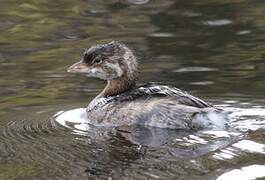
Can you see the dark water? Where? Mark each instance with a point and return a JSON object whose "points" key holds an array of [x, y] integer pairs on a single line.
{"points": [[213, 49]]}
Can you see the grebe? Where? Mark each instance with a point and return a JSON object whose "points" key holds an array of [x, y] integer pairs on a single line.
{"points": [[122, 102]]}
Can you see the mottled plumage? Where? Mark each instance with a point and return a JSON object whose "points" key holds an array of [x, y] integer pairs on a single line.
{"points": [[122, 102]]}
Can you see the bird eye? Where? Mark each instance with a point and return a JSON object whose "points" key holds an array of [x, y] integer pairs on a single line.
{"points": [[97, 61]]}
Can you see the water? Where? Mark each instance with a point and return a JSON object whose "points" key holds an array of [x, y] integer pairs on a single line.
{"points": [[213, 49]]}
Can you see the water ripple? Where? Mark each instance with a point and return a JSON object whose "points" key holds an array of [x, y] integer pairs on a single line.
{"points": [[35, 142], [218, 22]]}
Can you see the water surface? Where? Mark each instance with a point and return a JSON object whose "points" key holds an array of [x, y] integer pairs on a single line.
{"points": [[213, 49]]}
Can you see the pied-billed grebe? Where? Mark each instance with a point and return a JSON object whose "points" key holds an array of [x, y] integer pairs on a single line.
{"points": [[122, 102]]}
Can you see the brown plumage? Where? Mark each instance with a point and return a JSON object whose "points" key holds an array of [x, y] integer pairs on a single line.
{"points": [[122, 102]]}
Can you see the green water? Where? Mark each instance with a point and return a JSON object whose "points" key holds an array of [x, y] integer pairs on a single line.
{"points": [[213, 49]]}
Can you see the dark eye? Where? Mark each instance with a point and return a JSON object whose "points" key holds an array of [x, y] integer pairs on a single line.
{"points": [[97, 61]]}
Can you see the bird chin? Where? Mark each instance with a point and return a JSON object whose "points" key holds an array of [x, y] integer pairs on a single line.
{"points": [[98, 76], [97, 73], [90, 72], [84, 70]]}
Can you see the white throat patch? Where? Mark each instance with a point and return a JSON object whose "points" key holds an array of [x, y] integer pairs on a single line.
{"points": [[97, 72]]}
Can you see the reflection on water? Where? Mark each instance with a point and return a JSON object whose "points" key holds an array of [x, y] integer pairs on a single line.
{"points": [[214, 49], [245, 173]]}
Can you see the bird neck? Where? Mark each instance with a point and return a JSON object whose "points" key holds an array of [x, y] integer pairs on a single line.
{"points": [[117, 86]]}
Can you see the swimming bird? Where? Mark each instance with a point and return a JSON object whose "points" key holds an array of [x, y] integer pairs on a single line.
{"points": [[123, 102]]}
